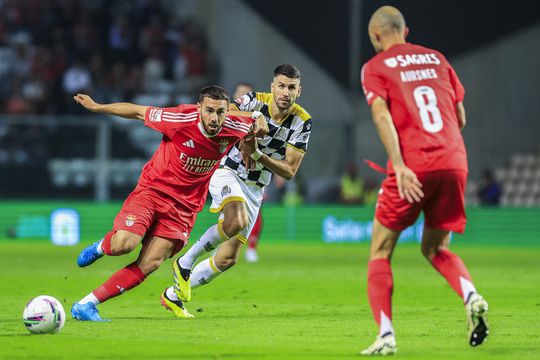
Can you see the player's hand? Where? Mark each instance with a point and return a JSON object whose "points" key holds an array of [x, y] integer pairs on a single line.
{"points": [[260, 127], [247, 146], [86, 101], [409, 186]]}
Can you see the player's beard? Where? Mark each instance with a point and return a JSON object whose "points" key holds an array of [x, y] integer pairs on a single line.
{"points": [[212, 130], [287, 106]]}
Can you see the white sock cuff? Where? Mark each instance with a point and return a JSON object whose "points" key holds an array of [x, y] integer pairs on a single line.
{"points": [[212, 264], [221, 232], [89, 298], [99, 248], [386, 325], [171, 294]]}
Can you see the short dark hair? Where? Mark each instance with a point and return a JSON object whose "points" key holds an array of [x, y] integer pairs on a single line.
{"points": [[213, 92], [287, 70]]}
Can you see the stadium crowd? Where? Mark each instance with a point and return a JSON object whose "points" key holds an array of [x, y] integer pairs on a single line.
{"points": [[50, 50]]}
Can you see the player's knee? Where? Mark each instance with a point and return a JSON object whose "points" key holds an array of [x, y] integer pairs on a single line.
{"points": [[123, 243], [225, 263], [235, 224]]}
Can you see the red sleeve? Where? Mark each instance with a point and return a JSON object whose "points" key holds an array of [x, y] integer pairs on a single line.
{"points": [[373, 84], [459, 90], [168, 120], [239, 125]]}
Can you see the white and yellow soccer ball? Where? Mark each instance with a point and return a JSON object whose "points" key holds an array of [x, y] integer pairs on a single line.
{"points": [[44, 315]]}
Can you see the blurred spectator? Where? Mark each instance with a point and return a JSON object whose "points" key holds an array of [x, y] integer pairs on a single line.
{"points": [[241, 89], [371, 192], [294, 191], [489, 191], [114, 49], [351, 186], [51, 49], [77, 79]]}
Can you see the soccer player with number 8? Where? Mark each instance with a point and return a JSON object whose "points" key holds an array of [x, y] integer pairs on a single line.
{"points": [[416, 101]]}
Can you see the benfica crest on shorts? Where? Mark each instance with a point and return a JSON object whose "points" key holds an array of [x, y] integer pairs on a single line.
{"points": [[223, 144], [130, 219]]}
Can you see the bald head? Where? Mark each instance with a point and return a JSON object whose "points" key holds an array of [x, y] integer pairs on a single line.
{"points": [[387, 19], [387, 23]]}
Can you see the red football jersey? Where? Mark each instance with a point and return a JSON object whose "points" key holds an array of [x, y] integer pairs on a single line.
{"points": [[187, 156], [421, 90]]}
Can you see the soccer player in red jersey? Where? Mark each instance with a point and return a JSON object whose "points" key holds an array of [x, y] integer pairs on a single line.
{"points": [[171, 190], [416, 101]]}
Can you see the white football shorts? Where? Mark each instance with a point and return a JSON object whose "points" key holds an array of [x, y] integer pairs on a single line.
{"points": [[226, 186]]}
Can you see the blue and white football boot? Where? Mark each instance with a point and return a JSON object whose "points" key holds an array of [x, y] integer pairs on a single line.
{"points": [[86, 312], [90, 254]]}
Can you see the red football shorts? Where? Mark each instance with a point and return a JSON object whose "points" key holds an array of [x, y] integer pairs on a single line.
{"points": [[443, 203], [149, 212]]}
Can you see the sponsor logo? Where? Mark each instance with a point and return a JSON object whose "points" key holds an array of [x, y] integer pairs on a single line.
{"points": [[391, 62], [208, 247], [120, 288], [197, 165], [281, 134], [130, 220], [189, 144], [155, 115], [226, 190], [412, 59], [223, 144]]}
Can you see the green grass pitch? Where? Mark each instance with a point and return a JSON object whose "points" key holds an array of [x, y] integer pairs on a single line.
{"points": [[301, 301]]}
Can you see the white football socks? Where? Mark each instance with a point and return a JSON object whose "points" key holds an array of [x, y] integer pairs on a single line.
{"points": [[89, 298], [386, 325], [99, 248], [171, 295], [467, 288], [204, 272], [209, 241]]}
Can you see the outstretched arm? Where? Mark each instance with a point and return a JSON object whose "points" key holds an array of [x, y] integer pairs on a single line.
{"points": [[408, 185], [125, 110], [260, 125]]}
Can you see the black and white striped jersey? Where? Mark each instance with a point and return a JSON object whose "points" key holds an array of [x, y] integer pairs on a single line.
{"points": [[293, 131]]}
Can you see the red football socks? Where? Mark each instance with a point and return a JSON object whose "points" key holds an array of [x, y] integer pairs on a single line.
{"points": [[106, 243], [123, 280], [380, 287], [453, 269]]}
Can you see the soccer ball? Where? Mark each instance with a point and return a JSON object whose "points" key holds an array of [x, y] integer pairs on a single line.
{"points": [[44, 315]]}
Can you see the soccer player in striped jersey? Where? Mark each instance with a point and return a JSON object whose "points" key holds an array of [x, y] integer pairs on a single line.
{"points": [[240, 90], [237, 187], [161, 210]]}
